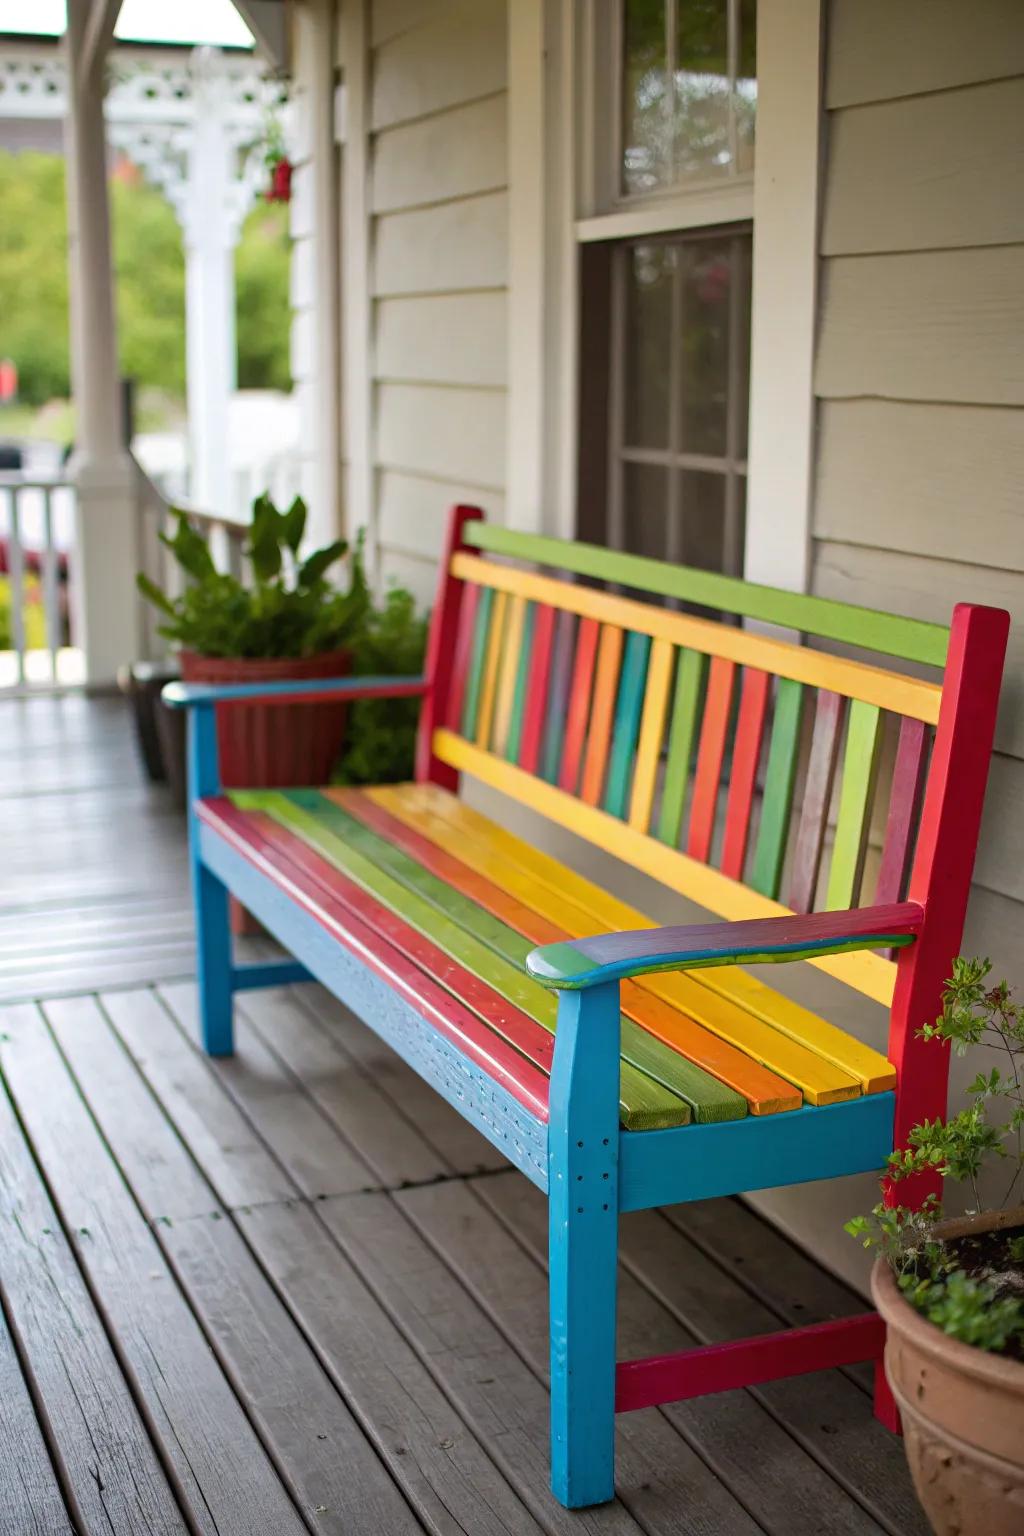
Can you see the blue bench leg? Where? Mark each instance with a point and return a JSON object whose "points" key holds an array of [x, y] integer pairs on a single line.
{"points": [[209, 895], [213, 946], [583, 1245]]}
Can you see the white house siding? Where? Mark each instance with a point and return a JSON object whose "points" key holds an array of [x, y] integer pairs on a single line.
{"points": [[919, 378], [437, 177]]}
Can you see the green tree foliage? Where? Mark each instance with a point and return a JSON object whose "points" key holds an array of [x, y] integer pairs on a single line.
{"points": [[150, 268], [264, 318]]}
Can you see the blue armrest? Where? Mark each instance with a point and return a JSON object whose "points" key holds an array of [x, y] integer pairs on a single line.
{"points": [[578, 963], [190, 695]]}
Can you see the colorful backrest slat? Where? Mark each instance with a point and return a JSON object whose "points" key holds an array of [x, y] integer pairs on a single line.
{"points": [[632, 685], [744, 752], [558, 702], [746, 756], [602, 713], [830, 712], [717, 708], [682, 732], [652, 731]]}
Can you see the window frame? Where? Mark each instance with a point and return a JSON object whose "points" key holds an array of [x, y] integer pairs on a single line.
{"points": [[606, 211], [561, 77], [731, 465]]}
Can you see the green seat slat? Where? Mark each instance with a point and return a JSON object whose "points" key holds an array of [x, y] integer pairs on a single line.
{"points": [[644, 1103], [709, 1099]]}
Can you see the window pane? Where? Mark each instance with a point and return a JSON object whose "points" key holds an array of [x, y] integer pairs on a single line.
{"points": [[701, 515], [649, 274], [645, 129], [645, 509], [742, 258], [704, 346], [689, 91], [701, 90]]}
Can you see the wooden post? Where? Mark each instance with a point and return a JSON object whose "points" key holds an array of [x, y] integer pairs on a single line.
{"points": [[444, 629], [104, 609]]}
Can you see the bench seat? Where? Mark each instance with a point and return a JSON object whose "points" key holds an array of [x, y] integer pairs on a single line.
{"points": [[465, 902], [313, 882]]}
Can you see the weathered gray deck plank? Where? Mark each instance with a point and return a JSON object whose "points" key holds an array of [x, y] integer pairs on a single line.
{"points": [[220, 1468], [30, 1497], [745, 1447], [386, 1141], [789, 1283], [824, 1411], [111, 1477], [661, 1483], [316, 1444], [364, 1354], [436, 1457], [460, 1144], [236, 1161], [306, 1144]]}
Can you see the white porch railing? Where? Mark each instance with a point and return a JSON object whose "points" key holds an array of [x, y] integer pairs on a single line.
{"points": [[37, 534], [36, 538]]}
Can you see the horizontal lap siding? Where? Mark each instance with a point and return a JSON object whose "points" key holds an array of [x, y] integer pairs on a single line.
{"points": [[439, 271], [919, 448]]}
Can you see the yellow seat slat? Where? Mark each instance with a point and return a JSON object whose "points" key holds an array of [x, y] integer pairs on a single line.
{"points": [[825, 1063], [866, 972]]}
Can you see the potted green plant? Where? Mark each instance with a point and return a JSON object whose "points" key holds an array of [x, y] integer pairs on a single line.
{"points": [[952, 1291], [290, 621], [380, 743]]}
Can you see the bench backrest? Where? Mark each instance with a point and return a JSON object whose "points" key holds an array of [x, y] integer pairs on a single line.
{"points": [[738, 768]]}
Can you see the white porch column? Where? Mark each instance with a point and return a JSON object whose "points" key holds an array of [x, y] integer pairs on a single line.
{"points": [[104, 607], [210, 223]]}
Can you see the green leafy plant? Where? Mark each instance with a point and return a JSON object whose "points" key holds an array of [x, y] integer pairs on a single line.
{"points": [[381, 737], [290, 609], [931, 1272]]}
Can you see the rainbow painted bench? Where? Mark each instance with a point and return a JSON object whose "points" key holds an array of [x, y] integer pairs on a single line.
{"points": [[617, 1064]]}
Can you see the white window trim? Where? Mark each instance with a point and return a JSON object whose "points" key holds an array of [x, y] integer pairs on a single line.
{"points": [[790, 35], [783, 202]]}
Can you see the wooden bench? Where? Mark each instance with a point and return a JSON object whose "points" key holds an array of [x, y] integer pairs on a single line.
{"points": [[677, 744]]}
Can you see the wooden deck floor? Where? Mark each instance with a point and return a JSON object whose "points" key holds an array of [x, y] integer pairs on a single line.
{"points": [[294, 1292]]}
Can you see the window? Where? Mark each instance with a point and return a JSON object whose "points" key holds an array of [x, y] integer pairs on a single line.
{"points": [[665, 282], [688, 92], [679, 381]]}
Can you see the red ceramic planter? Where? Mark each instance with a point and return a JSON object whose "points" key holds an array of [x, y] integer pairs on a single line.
{"points": [[273, 746]]}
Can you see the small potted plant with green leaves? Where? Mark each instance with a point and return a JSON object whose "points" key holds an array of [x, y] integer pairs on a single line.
{"points": [[951, 1291], [288, 622]]}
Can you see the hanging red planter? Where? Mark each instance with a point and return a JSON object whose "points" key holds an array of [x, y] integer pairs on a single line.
{"points": [[280, 189]]}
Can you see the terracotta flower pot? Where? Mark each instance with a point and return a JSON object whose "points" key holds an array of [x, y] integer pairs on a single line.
{"points": [[273, 746], [962, 1410]]}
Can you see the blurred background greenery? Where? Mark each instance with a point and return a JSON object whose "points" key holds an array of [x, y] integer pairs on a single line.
{"points": [[150, 267]]}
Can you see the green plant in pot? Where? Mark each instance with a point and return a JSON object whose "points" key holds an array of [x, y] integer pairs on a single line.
{"points": [[289, 621], [952, 1290]]}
